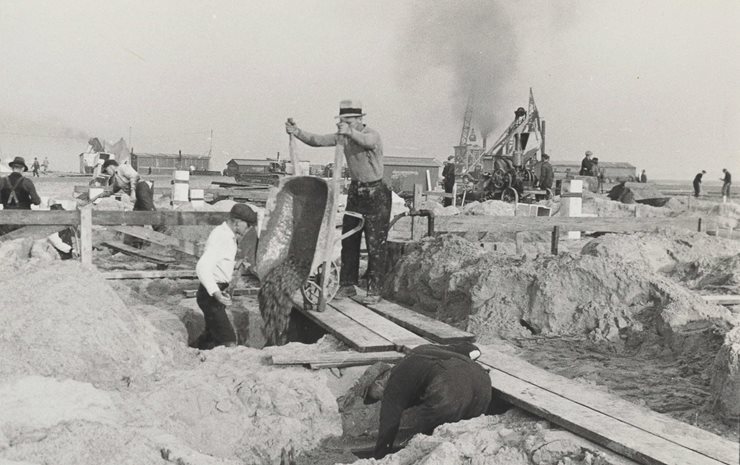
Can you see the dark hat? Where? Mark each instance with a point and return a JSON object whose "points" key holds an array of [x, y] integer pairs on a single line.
{"points": [[107, 163], [20, 161], [350, 108], [451, 157], [545, 156], [242, 212]]}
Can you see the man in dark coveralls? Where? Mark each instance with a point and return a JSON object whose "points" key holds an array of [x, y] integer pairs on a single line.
{"points": [[444, 381]]}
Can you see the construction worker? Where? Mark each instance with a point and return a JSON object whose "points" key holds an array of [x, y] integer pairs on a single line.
{"points": [[448, 174], [215, 269], [445, 383], [726, 183], [586, 164], [45, 165], [643, 177], [546, 174], [697, 183], [368, 195], [35, 166], [17, 192], [125, 178]]}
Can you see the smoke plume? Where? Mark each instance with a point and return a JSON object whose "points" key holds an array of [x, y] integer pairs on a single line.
{"points": [[476, 41]]}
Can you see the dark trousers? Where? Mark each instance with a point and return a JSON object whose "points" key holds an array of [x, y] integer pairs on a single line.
{"points": [[726, 189], [447, 201], [697, 188], [218, 327], [144, 197], [373, 201]]}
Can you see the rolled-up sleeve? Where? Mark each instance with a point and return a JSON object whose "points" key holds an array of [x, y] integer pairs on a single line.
{"points": [[316, 140]]}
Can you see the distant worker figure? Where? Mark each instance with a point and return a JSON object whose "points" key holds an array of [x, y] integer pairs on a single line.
{"points": [[586, 164], [16, 191], [546, 175], [697, 183], [368, 195], [726, 183], [125, 178], [448, 175], [35, 167], [596, 171], [443, 381], [215, 269], [643, 177], [45, 165]]}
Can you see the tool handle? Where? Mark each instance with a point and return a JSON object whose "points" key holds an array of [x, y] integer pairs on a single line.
{"points": [[292, 151]]}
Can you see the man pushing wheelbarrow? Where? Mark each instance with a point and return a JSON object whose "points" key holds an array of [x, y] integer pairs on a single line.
{"points": [[368, 196]]}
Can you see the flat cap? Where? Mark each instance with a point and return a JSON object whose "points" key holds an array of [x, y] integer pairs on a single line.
{"points": [[243, 212]]}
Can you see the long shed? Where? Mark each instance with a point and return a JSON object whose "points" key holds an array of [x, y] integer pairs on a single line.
{"points": [[614, 170], [166, 163]]}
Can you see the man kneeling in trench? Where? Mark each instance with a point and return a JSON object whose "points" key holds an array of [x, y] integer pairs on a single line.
{"points": [[444, 381]]}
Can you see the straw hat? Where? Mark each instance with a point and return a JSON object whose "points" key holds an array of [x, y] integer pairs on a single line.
{"points": [[350, 108]]}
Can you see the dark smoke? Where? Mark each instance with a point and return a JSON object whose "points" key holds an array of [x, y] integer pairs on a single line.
{"points": [[476, 40]]}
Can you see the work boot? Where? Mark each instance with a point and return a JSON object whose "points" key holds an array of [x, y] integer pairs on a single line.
{"points": [[346, 291], [370, 299]]}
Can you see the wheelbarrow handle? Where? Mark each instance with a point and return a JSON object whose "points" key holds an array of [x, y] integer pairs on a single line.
{"points": [[356, 228]]}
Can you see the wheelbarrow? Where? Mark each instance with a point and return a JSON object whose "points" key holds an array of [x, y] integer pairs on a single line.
{"points": [[296, 226]]}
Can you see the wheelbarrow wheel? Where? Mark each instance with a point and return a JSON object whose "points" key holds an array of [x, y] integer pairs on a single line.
{"points": [[311, 289]]}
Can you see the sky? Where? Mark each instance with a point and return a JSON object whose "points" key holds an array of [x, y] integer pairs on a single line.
{"points": [[653, 83]]}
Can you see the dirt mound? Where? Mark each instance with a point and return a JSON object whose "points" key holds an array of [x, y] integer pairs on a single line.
{"points": [[726, 378], [514, 438], [62, 319], [715, 274], [490, 208], [660, 251], [237, 407]]}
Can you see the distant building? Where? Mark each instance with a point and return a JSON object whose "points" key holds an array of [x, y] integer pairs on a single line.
{"points": [[613, 170], [401, 173], [165, 163]]}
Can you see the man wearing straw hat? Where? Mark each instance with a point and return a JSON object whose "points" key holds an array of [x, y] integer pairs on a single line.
{"points": [[368, 195]]}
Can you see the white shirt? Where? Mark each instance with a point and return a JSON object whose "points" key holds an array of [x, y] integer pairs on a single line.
{"points": [[216, 265]]}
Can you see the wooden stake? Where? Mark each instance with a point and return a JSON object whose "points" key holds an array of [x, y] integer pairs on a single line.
{"points": [[519, 240], [416, 205], [555, 240], [86, 235], [698, 228], [336, 184]]}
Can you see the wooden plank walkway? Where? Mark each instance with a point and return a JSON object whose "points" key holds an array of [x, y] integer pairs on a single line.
{"points": [[722, 299], [403, 339], [348, 330], [133, 251], [423, 325], [338, 359], [638, 433], [150, 274]]}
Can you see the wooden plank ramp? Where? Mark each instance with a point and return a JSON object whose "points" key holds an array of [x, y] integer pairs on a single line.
{"points": [[133, 251], [149, 274], [338, 359], [423, 325], [190, 293], [403, 339], [187, 247], [638, 433], [348, 330]]}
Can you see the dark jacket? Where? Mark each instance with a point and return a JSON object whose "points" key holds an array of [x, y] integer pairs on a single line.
{"points": [[546, 175], [449, 385], [586, 167], [697, 178], [18, 192], [448, 173]]}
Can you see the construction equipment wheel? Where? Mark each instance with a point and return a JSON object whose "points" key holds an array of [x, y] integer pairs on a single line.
{"points": [[510, 195], [499, 178], [311, 289]]}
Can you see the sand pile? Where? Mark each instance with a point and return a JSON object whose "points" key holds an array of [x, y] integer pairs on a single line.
{"points": [[714, 274], [514, 438], [660, 251], [726, 378], [489, 293], [64, 320], [490, 208]]}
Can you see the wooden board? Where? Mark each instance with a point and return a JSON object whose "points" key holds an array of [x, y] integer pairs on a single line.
{"points": [[423, 325], [39, 217], [349, 331], [150, 274], [31, 232], [511, 224], [162, 217], [722, 299], [402, 338], [625, 439], [133, 251], [187, 247], [190, 293], [338, 359], [644, 423]]}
